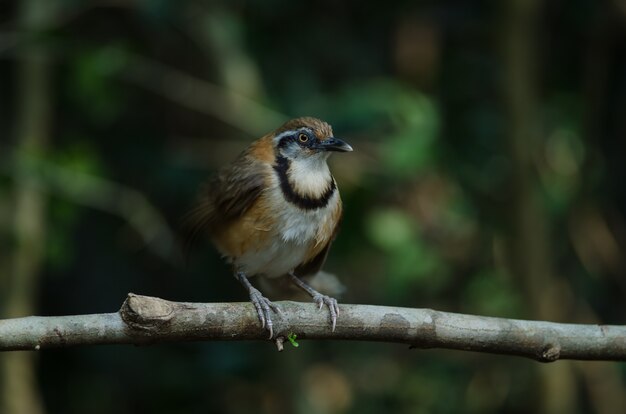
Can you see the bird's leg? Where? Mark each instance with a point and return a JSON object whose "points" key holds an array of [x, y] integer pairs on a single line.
{"points": [[318, 298], [260, 302]]}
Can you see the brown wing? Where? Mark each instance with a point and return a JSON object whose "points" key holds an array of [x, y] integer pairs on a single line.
{"points": [[228, 195]]}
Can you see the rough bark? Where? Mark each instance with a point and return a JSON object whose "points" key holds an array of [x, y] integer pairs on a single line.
{"points": [[147, 320]]}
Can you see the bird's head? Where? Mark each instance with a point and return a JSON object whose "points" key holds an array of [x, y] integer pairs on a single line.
{"points": [[307, 139]]}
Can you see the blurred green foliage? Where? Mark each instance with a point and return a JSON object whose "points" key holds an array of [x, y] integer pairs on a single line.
{"points": [[150, 97]]}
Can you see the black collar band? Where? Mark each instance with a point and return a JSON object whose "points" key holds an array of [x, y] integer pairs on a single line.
{"points": [[304, 202]]}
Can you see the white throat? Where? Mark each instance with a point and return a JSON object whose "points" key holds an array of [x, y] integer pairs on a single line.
{"points": [[310, 175]]}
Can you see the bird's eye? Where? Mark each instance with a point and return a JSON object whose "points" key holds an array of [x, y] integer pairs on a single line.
{"points": [[303, 137]]}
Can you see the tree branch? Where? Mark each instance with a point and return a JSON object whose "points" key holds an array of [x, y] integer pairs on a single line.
{"points": [[147, 320]]}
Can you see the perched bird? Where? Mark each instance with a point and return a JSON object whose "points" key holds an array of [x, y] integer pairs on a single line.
{"points": [[275, 210]]}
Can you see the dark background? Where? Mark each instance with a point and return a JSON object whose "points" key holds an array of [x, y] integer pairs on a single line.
{"points": [[487, 178]]}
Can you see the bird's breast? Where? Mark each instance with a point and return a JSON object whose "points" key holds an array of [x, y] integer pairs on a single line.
{"points": [[297, 223], [277, 235]]}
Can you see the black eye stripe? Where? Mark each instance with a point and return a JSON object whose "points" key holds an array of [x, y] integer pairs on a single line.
{"points": [[284, 141], [309, 137]]}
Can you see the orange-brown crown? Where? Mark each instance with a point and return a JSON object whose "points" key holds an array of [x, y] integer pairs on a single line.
{"points": [[320, 128]]}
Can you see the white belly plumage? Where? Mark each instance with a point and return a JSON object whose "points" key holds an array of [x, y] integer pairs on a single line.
{"points": [[290, 241], [277, 259]]}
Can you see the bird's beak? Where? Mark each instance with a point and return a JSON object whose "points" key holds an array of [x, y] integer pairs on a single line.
{"points": [[334, 144]]}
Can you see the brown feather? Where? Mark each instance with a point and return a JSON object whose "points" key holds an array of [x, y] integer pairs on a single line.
{"points": [[232, 191], [249, 232], [320, 128]]}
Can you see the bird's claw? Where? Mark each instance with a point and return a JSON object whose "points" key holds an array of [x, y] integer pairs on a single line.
{"points": [[263, 308], [333, 307]]}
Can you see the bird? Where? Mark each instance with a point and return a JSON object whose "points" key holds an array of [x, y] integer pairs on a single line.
{"points": [[275, 211]]}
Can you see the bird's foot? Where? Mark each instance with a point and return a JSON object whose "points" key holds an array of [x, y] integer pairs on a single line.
{"points": [[333, 307], [263, 308], [320, 299]]}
